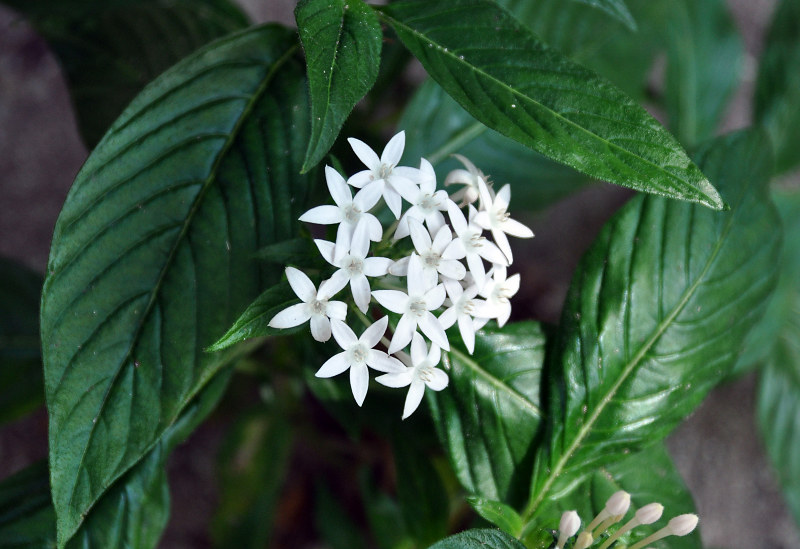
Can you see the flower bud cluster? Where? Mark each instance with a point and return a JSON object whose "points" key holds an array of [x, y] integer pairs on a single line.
{"points": [[444, 266], [614, 511]]}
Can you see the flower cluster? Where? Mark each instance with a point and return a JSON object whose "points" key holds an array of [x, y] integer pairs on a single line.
{"points": [[444, 266], [614, 511]]}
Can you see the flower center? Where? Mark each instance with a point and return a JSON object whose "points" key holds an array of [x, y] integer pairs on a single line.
{"points": [[352, 213], [319, 306], [431, 259], [501, 216], [385, 171], [417, 306], [353, 265], [428, 204], [465, 306], [358, 353], [425, 373], [501, 293]]}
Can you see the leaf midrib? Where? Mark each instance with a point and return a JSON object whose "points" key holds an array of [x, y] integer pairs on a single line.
{"points": [[157, 287], [626, 371], [716, 204]]}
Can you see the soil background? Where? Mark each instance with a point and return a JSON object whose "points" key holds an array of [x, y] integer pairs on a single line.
{"points": [[717, 449]]}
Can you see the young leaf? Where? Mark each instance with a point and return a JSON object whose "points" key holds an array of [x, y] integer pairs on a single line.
{"points": [[539, 98], [615, 8], [479, 539], [656, 315], [777, 99], [110, 50], [433, 121], [498, 513], [21, 383], [489, 415], [152, 255], [704, 56], [27, 519], [342, 40]]}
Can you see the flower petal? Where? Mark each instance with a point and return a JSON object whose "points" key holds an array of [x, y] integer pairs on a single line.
{"points": [[393, 150], [372, 335], [430, 326], [427, 177], [435, 221], [515, 228], [334, 366], [301, 284], [343, 335], [367, 197], [393, 201], [414, 397], [359, 246], [326, 249], [415, 278], [399, 267], [467, 330], [363, 178], [455, 250], [378, 360], [344, 239], [374, 227], [377, 266], [336, 282], [337, 186], [291, 316], [456, 217], [394, 300], [359, 381], [512, 284], [448, 318], [396, 379], [503, 197], [439, 380], [337, 310], [402, 334], [452, 269], [419, 351], [435, 297], [477, 268], [434, 355], [490, 252], [501, 240], [320, 328], [365, 153], [323, 215], [443, 237], [359, 285], [419, 236]]}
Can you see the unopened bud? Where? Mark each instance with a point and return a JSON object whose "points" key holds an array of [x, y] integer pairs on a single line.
{"points": [[618, 503], [570, 522], [649, 513], [682, 524]]}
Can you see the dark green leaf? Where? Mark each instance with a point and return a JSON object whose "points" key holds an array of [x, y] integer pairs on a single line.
{"points": [[109, 50], [539, 97], [704, 56], [489, 415], [152, 255], [498, 513], [254, 322], [298, 252], [253, 467], [648, 476], [777, 100], [27, 520], [436, 127], [342, 40], [21, 384], [615, 8], [656, 315], [479, 539], [422, 496], [384, 516], [334, 524]]}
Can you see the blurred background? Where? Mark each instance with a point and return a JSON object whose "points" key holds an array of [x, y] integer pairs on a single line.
{"points": [[717, 450]]}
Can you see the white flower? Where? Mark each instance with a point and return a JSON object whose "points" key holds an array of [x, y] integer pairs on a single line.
{"points": [[358, 355], [316, 306], [494, 217], [348, 211], [469, 178], [471, 244], [497, 291], [462, 311], [424, 372], [430, 253], [416, 307], [383, 172], [427, 204], [354, 266]]}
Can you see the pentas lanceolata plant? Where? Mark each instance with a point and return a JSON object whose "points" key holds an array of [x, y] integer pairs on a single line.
{"points": [[454, 275]]}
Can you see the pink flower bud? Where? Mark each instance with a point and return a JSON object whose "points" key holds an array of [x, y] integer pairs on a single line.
{"points": [[618, 503], [649, 513], [570, 522], [682, 524]]}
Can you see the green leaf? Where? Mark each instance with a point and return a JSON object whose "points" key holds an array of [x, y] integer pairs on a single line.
{"points": [[252, 470], [27, 520], [489, 416], [420, 491], [152, 255], [615, 8], [656, 315], [648, 476], [704, 57], [384, 516], [498, 513], [335, 526], [777, 98], [254, 322], [539, 97], [21, 382], [109, 50], [479, 539], [300, 252], [436, 127], [342, 40]]}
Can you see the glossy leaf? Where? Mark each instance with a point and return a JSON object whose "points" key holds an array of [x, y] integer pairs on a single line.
{"points": [[334, 524], [648, 476], [498, 513], [615, 8], [420, 492], [704, 57], [489, 415], [539, 97], [436, 127], [777, 98], [152, 255], [21, 383], [110, 50], [27, 520], [656, 315], [254, 322], [342, 39], [479, 539]]}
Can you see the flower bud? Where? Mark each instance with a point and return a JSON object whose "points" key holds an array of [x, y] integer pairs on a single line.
{"points": [[649, 513], [682, 524], [618, 503], [570, 522], [584, 540]]}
